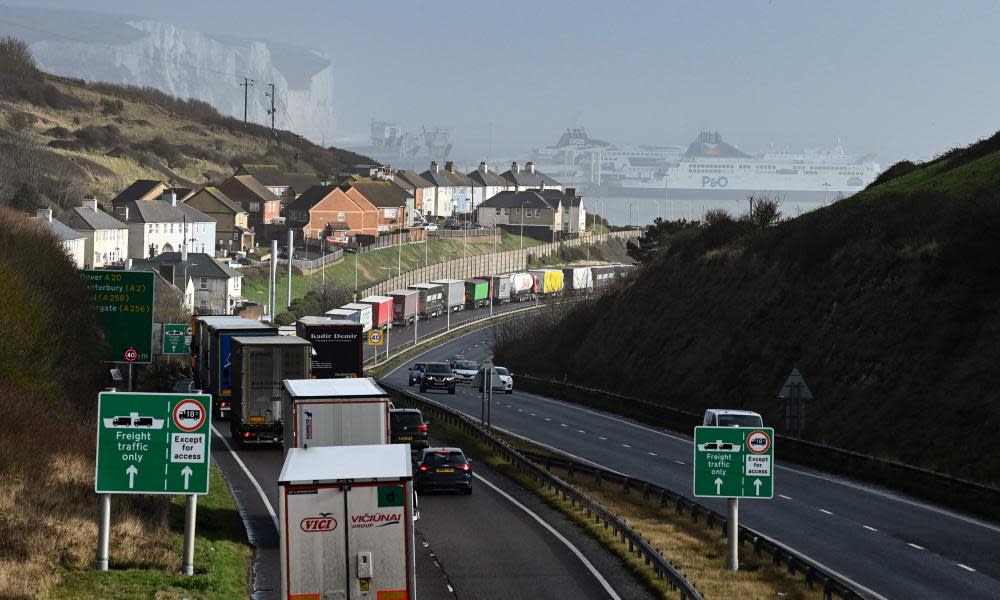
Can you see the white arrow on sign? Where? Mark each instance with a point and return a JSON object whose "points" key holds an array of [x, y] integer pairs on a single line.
{"points": [[187, 472], [756, 486], [718, 485], [131, 471]]}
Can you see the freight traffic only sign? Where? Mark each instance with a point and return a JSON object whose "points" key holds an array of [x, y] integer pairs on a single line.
{"points": [[124, 303], [153, 443], [734, 462], [176, 338]]}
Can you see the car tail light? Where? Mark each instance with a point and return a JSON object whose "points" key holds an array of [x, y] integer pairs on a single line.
{"points": [[423, 467], [223, 404], [249, 434], [421, 427], [464, 467]]}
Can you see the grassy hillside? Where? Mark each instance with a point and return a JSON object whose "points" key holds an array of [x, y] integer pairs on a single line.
{"points": [[888, 302], [63, 138]]}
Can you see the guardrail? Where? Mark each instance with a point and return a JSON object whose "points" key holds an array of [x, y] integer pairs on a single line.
{"points": [[833, 585], [637, 544], [962, 494]]}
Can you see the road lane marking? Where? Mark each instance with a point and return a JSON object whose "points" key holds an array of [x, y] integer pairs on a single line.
{"points": [[260, 490], [784, 496], [580, 431], [547, 419], [563, 424], [680, 462], [532, 414], [967, 568], [651, 453], [911, 545], [870, 528], [626, 445], [583, 559], [823, 510], [520, 410], [603, 438]]}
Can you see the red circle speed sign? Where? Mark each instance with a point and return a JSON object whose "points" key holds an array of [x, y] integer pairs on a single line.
{"points": [[189, 415], [131, 355], [759, 442]]}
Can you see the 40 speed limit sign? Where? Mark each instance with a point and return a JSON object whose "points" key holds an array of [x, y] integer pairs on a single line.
{"points": [[376, 337]]}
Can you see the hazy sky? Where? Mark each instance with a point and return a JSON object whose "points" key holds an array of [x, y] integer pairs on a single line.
{"points": [[906, 78]]}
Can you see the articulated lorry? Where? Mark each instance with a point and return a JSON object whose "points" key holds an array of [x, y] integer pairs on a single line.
{"points": [[404, 306], [364, 312], [578, 279], [522, 287], [381, 310], [211, 346], [454, 293], [346, 523], [477, 293], [548, 282], [500, 288], [335, 412], [338, 346], [430, 299], [260, 364]]}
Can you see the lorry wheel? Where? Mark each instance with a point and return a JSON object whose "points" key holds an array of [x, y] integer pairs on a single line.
{"points": [[423, 389], [468, 491], [451, 390], [509, 392], [411, 383]]}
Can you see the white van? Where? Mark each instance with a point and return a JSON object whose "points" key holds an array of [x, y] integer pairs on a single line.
{"points": [[721, 417]]}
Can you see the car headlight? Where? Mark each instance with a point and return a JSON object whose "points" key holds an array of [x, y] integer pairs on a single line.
{"points": [[449, 379]]}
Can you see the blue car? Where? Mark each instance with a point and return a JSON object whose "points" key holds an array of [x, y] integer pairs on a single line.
{"points": [[416, 372]]}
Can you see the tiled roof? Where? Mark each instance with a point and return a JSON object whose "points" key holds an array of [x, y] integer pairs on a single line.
{"points": [[64, 233], [138, 189], [554, 195], [413, 179], [87, 219], [193, 214], [199, 264], [222, 198], [529, 198], [311, 197], [268, 175], [151, 211], [300, 182], [382, 194], [245, 188], [487, 178]]}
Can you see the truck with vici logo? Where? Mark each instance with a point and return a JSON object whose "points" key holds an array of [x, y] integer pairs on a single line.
{"points": [[346, 523]]}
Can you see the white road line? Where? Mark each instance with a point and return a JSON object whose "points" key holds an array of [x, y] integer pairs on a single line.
{"points": [[823, 510], [583, 559], [532, 414], [680, 462], [784, 496], [602, 437], [580, 431], [260, 490], [870, 528], [547, 419], [651, 453], [558, 450], [911, 545], [966, 567], [520, 410], [626, 445], [563, 424]]}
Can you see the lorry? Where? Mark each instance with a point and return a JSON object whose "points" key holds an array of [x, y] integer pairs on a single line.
{"points": [[500, 288], [477, 293], [404, 306], [334, 412], [364, 313], [344, 314], [577, 279], [430, 299], [213, 373], [338, 346], [454, 293], [548, 282], [346, 523], [522, 287], [260, 364], [381, 310]]}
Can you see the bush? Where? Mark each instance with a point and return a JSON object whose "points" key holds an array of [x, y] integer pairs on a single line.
{"points": [[164, 149], [111, 107], [97, 137], [59, 133], [27, 198], [19, 121]]}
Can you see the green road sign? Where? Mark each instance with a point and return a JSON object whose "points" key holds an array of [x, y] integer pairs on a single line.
{"points": [[734, 462], [153, 443], [176, 338], [124, 301]]}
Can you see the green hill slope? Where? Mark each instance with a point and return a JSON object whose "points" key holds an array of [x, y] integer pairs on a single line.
{"points": [[888, 302]]}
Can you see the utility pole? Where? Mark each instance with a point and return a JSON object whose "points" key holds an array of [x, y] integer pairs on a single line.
{"points": [[246, 85], [272, 110]]}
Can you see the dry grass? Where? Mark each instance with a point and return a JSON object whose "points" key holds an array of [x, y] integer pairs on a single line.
{"points": [[698, 552]]}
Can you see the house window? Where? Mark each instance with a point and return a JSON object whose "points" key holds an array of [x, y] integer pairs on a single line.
{"points": [[498, 212], [203, 303], [341, 217], [204, 283], [255, 207], [538, 212]]}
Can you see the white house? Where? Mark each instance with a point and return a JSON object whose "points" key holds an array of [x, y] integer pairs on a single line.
{"points": [[532, 211], [106, 237], [210, 288], [72, 242], [486, 184], [574, 218], [441, 202], [157, 226], [529, 178], [199, 227]]}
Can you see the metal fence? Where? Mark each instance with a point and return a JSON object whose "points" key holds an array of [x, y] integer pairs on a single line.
{"points": [[479, 264], [333, 255], [457, 233], [617, 527]]}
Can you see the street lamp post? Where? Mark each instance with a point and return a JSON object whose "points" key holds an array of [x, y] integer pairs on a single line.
{"points": [[522, 227], [826, 192], [356, 257]]}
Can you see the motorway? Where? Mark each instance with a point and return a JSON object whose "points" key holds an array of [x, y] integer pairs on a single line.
{"points": [[895, 546]]}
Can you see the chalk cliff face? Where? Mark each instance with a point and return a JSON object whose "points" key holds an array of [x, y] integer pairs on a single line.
{"points": [[184, 63]]}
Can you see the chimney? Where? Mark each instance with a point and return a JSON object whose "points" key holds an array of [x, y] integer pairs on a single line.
{"points": [[483, 167], [531, 167], [44, 214], [170, 197], [434, 166], [91, 203], [449, 166], [571, 192], [514, 168]]}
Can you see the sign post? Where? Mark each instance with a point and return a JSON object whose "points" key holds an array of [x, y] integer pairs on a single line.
{"points": [[176, 338], [733, 463], [152, 444], [124, 302]]}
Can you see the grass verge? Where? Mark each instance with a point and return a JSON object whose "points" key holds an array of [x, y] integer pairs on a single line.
{"points": [[696, 551], [222, 555]]}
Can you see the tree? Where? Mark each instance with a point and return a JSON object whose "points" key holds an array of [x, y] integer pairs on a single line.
{"points": [[764, 212], [27, 198], [655, 238]]}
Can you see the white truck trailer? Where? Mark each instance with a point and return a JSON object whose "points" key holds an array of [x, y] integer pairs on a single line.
{"points": [[335, 412], [346, 523]]}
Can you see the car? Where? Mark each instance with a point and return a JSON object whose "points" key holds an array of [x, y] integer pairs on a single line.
{"points": [[450, 223], [429, 227], [455, 359], [407, 426], [465, 370], [438, 375], [443, 469], [724, 417], [475, 226], [506, 380], [416, 372]]}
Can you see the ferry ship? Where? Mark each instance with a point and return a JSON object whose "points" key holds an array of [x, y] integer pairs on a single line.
{"points": [[707, 167]]}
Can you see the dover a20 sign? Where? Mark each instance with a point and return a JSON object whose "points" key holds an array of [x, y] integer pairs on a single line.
{"points": [[153, 443], [734, 462]]}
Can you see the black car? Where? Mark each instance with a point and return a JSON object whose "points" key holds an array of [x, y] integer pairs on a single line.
{"points": [[416, 372], [443, 469], [438, 375], [407, 426]]}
